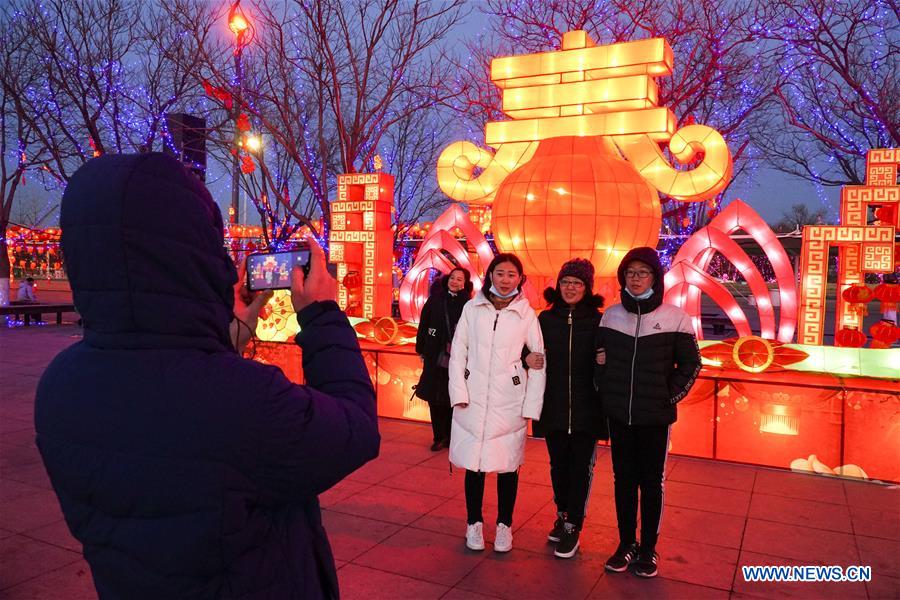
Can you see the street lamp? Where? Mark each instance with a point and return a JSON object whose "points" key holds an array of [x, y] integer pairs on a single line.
{"points": [[253, 143], [243, 33]]}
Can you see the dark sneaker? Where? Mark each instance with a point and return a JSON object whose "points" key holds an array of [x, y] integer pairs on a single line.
{"points": [[568, 542], [624, 556], [645, 565], [557, 531]]}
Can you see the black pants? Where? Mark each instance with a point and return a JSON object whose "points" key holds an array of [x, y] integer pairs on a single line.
{"points": [[441, 415], [572, 458], [507, 487], [639, 461]]}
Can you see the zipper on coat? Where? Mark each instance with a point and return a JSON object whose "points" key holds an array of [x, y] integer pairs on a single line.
{"points": [[637, 331], [570, 371], [490, 359]]}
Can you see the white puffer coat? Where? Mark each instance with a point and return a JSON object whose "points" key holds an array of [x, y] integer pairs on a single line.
{"points": [[487, 375]]}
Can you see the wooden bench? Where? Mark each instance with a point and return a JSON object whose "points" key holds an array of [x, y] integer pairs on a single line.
{"points": [[36, 310]]}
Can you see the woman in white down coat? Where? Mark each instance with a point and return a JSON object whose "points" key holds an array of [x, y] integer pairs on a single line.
{"points": [[492, 394]]}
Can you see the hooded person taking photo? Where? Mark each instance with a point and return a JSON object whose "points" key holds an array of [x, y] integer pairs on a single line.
{"points": [[184, 469]]}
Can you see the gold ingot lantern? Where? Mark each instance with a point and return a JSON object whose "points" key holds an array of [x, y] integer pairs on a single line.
{"points": [[576, 170]]}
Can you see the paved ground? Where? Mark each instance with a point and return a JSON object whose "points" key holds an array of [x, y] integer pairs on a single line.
{"points": [[397, 524]]}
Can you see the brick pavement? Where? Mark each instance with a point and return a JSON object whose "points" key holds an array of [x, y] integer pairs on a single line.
{"points": [[397, 524]]}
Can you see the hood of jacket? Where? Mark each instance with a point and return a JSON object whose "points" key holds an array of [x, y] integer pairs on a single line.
{"points": [[650, 257], [143, 246]]}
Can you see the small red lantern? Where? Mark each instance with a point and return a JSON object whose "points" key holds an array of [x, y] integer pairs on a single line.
{"points": [[884, 332], [858, 296], [888, 294], [885, 215], [850, 337], [352, 280]]}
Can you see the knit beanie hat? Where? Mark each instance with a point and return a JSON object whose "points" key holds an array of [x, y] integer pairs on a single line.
{"points": [[580, 268]]}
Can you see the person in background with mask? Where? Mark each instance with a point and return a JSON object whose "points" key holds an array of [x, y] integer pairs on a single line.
{"points": [[437, 324], [647, 362], [493, 395]]}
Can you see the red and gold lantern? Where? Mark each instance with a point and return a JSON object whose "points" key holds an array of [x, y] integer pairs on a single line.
{"points": [[858, 296], [575, 197], [888, 294], [850, 337]]}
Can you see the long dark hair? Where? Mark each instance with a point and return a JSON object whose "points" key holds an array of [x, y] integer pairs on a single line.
{"points": [[502, 258], [468, 286]]}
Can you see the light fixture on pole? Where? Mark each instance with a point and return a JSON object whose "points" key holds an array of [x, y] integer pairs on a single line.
{"points": [[240, 26]]}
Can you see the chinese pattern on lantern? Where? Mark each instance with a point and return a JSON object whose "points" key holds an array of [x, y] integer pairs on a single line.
{"points": [[559, 184], [862, 248], [361, 240]]}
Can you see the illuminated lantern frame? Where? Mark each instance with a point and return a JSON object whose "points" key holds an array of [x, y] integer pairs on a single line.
{"points": [[361, 238], [862, 248], [687, 278], [414, 289]]}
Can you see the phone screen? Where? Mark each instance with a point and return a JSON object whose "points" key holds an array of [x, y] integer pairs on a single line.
{"points": [[273, 271]]}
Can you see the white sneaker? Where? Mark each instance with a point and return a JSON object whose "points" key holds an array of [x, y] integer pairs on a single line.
{"points": [[475, 536], [503, 540]]}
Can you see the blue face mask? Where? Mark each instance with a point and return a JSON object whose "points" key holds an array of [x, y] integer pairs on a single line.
{"points": [[644, 296], [501, 296]]}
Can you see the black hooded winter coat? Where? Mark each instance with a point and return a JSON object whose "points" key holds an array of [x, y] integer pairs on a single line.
{"points": [[571, 403], [442, 310], [652, 359], [185, 470]]}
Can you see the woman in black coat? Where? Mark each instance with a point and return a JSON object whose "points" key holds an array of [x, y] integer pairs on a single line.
{"points": [[571, 419], [436, 327]]}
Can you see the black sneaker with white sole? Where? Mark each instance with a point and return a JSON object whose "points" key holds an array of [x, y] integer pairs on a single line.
{"points": [[625, 555], [568, 542], [645, 565], [557, 530]]}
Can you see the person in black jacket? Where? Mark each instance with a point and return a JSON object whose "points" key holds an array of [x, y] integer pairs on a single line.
{"points": [[571, 419], [436, 327], [185, 470], [647, 362]]}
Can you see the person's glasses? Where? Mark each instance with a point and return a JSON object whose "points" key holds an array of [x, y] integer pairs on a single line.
{"points": [[637, 274], [572, 283]]}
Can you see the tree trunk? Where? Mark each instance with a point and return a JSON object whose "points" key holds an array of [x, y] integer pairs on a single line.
{"points": [[4, 266]]}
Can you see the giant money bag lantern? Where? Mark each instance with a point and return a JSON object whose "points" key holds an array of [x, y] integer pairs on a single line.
{"points": [[577, 170]]}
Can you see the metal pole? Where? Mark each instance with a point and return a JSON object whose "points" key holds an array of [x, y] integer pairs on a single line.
{"points": [[235, 162]]}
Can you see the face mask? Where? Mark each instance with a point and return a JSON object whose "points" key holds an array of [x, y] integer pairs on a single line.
{"points": [[501, 296], [643, 296]]}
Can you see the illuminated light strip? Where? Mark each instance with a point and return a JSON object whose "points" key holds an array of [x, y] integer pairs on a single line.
{"points": [[596, 93], [652, 56], [657, 124]]}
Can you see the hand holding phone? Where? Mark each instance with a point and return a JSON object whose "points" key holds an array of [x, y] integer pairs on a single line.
{"points": [[314, 285], [272, 270], [247, 305]]}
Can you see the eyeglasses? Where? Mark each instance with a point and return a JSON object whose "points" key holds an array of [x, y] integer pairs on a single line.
{"points": [[572, 283], [637, 274]]}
